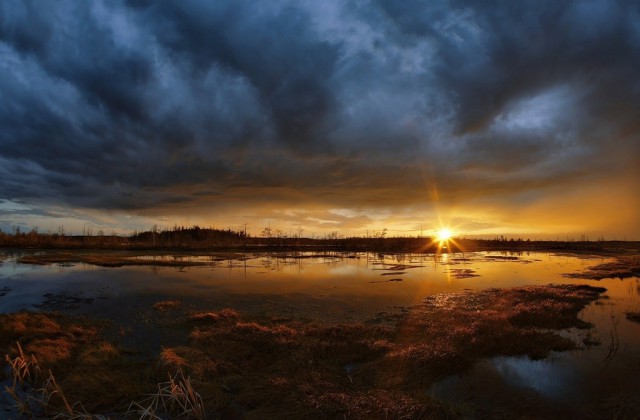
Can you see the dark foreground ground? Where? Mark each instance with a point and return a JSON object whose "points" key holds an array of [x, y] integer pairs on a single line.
{"points": [[229, 365]]}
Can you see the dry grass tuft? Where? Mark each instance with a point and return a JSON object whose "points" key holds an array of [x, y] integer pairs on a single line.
{"points": [[169, 358], [209, 316], [175, 398], [100, 353], [44, 335], [37, 403], [167, 305], [23, 369], [27, 322], [89, 368], [51, 349]]}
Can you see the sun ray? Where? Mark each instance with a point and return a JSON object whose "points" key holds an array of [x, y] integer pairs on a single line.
{"points": [[444, 234]]}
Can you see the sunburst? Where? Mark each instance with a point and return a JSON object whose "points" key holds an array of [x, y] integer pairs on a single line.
{"points": [[444, 234]]}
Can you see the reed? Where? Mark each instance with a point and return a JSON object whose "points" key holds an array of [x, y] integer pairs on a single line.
{"points": [[175, 398]]}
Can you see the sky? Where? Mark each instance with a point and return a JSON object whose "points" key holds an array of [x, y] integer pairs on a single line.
{"points": [[519, 118]]}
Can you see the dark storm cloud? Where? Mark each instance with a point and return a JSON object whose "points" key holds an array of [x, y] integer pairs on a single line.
{"points": [[273, 47], [135, 105]]}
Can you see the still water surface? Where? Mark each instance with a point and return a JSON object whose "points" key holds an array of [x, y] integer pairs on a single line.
{"points": [[351, 287]]}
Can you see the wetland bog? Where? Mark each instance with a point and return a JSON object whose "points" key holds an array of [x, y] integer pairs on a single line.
{"points": [[330, 334]]}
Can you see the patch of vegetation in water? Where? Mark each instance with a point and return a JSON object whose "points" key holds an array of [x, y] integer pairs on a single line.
{"points": [[633, 316], [104, 260], [61, 301], [463, 273], [248, 366], [622, 267]]}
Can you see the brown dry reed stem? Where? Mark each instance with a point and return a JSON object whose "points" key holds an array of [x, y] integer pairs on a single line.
{"points": [[73, 412], [23, 368], [25, 371], [176, 398], [20, 404]]}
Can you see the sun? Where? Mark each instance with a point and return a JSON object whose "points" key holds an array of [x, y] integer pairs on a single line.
{"points": [[444, 234]]}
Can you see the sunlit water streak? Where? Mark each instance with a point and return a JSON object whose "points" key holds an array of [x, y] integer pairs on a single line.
{"points": [[351, 287]]}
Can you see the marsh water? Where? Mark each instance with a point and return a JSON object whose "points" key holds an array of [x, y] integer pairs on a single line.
{"points": [[337, 287]]}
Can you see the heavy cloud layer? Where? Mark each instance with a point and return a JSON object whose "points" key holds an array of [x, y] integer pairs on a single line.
{"points": [[152, 107]]}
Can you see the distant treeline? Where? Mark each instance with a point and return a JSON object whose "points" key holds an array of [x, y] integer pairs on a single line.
{"points": [[154, 238], [198, 238]]}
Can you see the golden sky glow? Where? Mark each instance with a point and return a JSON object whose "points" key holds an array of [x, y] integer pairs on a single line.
{"points": [[319, 117]]}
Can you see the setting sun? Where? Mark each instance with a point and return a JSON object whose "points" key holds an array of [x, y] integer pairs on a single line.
{"points": [[444, 234]]}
